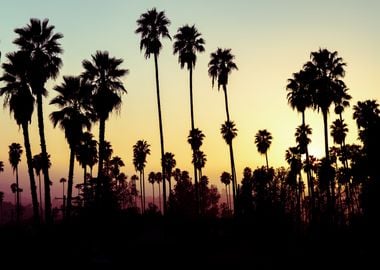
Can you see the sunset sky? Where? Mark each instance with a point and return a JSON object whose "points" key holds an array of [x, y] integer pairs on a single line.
{"points": [[270, 40]]}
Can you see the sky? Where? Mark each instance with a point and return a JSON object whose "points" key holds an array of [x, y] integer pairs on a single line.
{"points": [[270, 40]]}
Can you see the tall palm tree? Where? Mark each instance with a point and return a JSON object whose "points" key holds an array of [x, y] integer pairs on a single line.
{"points": [[87, 153], [39, 41], [75, 114], [140, 151], [219, 68], [64, 209], [169, 164], [327, 70], [302, 137], [229, 132], [159, 180], [300, 98], [105, 74], [20, 101], [37, 165], [263, 140], [153, 26], [339, 131], [15, 151], [187, 43]]}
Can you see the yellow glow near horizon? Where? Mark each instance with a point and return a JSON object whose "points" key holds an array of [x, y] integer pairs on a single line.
{"points": [[270, 40]]}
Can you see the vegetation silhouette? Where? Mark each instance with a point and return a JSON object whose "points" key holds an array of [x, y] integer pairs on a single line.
{"points": [[272, 219]]}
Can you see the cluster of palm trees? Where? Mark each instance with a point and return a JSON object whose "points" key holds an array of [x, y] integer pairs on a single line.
{"points": [[91, 97]]}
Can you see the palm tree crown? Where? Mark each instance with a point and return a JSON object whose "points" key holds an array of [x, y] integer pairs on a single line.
{"points": [[187, 43], [152, 26], [263, 140], [42, 44], [339, 131], [220, 66], [15, 151], [229, 131], [302, 137]]}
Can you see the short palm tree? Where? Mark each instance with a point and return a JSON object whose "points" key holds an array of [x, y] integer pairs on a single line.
{"points": [[153, 26], [87, 154], [229, 132], [199, 161], [140, 152], [225, 178], [339, 131], [39, 41], [105, 74], [20, 101], [152, 180], [15, 151], [38, 163], [187, 43], [75, 114], [169, 163], [302, 137], [263, 140]]}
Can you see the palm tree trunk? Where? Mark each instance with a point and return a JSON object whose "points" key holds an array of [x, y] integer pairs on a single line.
{"points": [[329, 195], [159, 196], [228, 202], [266, 159], [70, 182], [100, 180], [153, 192], [192, 128], [161, 131], [143, 185], [33, 188], [17, 198], [40, 190], [233, 176], [45, 169], [141, 195], [226, 102]]}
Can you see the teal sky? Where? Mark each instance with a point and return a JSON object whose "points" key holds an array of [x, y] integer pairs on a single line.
{"points": [[270, 39]]}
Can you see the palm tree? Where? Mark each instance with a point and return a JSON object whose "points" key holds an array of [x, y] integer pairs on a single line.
{"points": [[140, 151], [229, 132], [15, 151], [326, 69], [37, 165], [300, 98], [105, 74], [219, 67], [302, 137], [169, 163], [187, 43], [152, 26], [263, 140], [339, 131], [159, 180], [225, 178], [39, 41], [152, 180], [75, 113], [87, 154], [20, 101], [199, 161]]}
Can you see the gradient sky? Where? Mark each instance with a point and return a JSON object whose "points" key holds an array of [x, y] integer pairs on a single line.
{"points": [[270, 39]]}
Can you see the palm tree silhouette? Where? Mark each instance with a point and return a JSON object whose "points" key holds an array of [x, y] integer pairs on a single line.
{"points": [[302, 137], [263, 140], [75, 114], [37, 165], [300, 98], [15, 151], [64, 209], [87, 154], [20, 101], [199, 161], [326, 69], [339, 131], [169, 164], [39, 41], [1, 194], [105, 74], [159, 180], [152, 180], [152, 26], [225, 178], [187, 43], [140, 151], [229, 132], [219, 67]]}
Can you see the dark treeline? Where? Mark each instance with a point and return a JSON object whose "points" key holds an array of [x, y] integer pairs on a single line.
{"points": [[313, 210]]}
